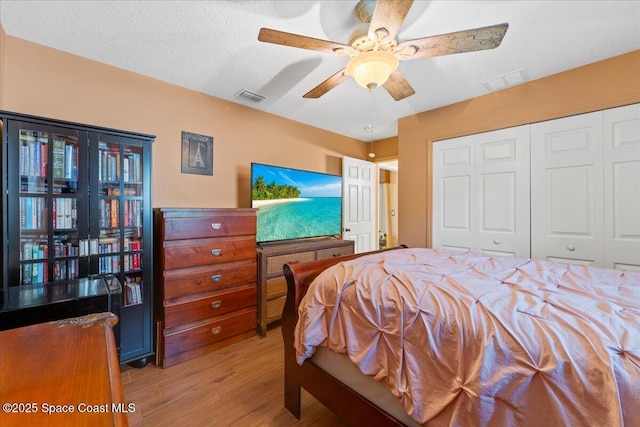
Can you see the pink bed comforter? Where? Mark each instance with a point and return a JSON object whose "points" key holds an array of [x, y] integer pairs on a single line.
{"points": [[475, 340]]}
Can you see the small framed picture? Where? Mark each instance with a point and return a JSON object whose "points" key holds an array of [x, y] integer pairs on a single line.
{"points": [[197, 154]]}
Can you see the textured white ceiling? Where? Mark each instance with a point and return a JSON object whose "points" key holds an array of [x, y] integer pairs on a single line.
{"points": [[212, 47]]}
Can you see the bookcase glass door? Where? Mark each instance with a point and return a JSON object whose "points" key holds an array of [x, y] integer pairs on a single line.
{"points": [[121, 191], [51, 246]]}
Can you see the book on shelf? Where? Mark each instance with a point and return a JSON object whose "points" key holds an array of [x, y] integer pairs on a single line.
{"points": [[65, 213], [70, 160], [58, 158], [58, 216], [26, 274], [68, 207], [35, 273], [114, 213], [134, 293], [22, 154], [35, 218], [129, 294], [23, 213], [34, 250], [27, 252], [125, 169], [44, 157], [37, 161], [138, 292], [33, 213]]}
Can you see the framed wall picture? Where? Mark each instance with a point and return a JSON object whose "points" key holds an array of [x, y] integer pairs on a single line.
{"points": [[197, 154]]}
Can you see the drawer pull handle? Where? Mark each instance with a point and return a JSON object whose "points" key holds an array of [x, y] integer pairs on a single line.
{"points": [[216, 277], [571, 248], [216, 330], [216, 304], [216, 226], [496, 242], [216, 252]]}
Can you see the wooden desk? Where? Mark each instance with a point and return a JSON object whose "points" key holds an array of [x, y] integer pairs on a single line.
{"points": [[70, 366]]}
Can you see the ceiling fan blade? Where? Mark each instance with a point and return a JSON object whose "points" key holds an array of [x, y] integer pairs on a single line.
{"points": [[458, 42], [389, 14], [327, 85], [268, 35], [398, 87]]}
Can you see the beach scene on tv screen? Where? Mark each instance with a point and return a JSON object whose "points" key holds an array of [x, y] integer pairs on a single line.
{"points": [[295, 204]]}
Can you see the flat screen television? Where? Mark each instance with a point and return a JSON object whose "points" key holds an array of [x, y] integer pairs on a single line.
{"points": [[295, 204]]}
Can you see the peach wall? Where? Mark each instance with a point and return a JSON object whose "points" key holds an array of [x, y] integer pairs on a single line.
{"points": [[385, 149], [604, 84], [46, 82]]}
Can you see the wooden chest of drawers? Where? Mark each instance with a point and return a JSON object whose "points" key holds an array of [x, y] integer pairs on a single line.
{"points": [[272, 286], [205, 280]]}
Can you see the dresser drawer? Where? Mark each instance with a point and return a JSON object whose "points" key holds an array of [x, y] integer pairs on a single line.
{"points": [[210, 306], [276, 286], [274, 307], [208, 333], [275, 262], [209, 226], [334, 252], [193, 280], [189, 253]]}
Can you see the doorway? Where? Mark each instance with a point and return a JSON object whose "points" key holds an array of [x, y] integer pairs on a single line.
{"points": [[388, 204]]}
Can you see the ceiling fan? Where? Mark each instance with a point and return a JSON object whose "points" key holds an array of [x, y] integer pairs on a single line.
{"points": [[375, 52]]}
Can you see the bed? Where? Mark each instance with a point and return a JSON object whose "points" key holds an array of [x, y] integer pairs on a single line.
{"points": [[428, 337]]}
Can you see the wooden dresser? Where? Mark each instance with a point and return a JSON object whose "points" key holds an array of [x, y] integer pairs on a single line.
{"points": [[205, 280], [272, 286]]}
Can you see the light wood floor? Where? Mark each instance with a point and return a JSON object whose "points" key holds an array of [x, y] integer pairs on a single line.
{"points": [[240, 385]]}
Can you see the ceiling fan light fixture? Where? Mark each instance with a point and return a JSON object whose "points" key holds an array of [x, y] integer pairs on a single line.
{"points": [[372, 69]]}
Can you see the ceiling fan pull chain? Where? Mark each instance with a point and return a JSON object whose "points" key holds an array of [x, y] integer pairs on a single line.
{"points": [[372, 154]]}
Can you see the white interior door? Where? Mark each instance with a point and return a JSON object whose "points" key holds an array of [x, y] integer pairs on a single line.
{"points": [[622, 187], [358, 203], [567, 207], [453, 195]]}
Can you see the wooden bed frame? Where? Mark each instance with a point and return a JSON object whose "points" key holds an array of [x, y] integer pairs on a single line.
{"points": [[342, 400]]}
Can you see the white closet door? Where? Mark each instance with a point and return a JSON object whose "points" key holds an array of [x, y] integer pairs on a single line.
{"points": [[622, 187], [481, 193], [567, 208], [502, 211], [453, 197]]}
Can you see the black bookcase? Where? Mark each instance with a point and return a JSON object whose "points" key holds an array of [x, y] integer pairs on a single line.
{"points": [[76, 203]]}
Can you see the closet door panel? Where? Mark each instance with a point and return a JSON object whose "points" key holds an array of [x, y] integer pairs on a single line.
{"points": [[454, 199], [567, 222], [481, 193], [622, 187], [503, 213]]}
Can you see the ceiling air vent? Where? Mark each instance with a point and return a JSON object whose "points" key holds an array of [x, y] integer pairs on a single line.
{"points": [[249, 96], [512, 79]]}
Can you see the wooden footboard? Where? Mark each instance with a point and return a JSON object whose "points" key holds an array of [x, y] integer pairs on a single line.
{"points": [[342, 400]]}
